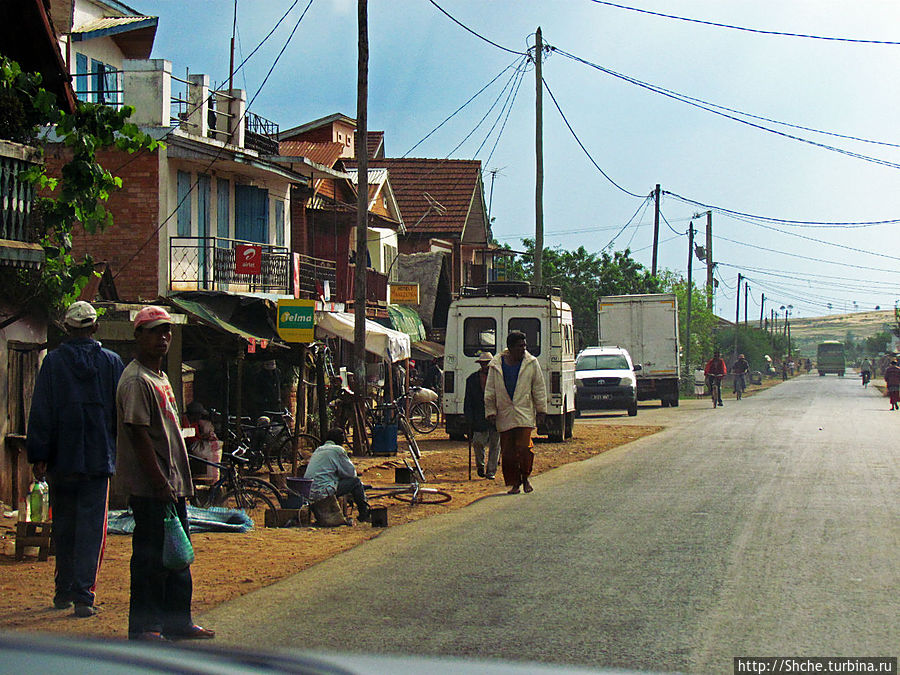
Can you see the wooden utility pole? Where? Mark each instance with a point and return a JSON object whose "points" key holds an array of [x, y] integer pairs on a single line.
{"points": [[655, 229], [362, 202], [746, 295], [710, 287], [539, 161], [690, 293], [231, 60], [762, 310], [737, 317]]}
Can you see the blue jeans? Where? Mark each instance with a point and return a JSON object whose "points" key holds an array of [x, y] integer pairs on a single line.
{"points": [[79, 533], [354, 487]]}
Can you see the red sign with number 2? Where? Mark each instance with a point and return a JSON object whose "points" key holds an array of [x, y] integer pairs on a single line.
{"points": [[247, 259]]}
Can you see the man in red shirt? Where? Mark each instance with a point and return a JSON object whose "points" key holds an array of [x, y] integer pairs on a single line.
{"points": [[715, 367]]}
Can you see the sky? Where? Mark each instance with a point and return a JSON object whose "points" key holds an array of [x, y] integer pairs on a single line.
{"points": [[423, 67]]}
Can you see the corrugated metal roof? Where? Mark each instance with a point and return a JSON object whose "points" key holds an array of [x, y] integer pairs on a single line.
{"points": [[326, 154], [108, 22]]}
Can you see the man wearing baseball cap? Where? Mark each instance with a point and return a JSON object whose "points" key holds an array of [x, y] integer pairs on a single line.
{"points": [[154, 471], [482, 433], [72, 442]]}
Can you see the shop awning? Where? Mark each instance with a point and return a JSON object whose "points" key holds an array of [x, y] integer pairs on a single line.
{"points": [[244, 317], [390, 345], [423, 349], [406, 320]]}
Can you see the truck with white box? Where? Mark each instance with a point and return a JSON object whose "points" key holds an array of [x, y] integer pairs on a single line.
{"points": [[647, 326], [480, 320]]}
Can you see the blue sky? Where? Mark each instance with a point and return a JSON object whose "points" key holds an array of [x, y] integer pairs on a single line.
{"points": [[423, 67]]}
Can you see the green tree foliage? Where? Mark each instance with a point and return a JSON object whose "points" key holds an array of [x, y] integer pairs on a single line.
{"points": [[583, 277], [77, 197]]}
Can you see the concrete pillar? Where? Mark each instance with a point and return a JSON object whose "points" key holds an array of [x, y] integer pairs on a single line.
{"points": [[148, 89], [198, 105], [237, 107]]}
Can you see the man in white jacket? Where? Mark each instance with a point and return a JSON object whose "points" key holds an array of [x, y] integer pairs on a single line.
{"points": [[515, 400]]}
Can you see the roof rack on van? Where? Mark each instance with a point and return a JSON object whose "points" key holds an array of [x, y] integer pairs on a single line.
{"points": [[509, 288]]}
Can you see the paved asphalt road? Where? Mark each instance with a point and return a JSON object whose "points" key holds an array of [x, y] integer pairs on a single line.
{"points": [[769, 527]]}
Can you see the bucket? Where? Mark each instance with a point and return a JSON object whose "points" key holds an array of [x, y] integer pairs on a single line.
{"points": [[384, 439], [300, 486], [379, 516], [403, 474]]}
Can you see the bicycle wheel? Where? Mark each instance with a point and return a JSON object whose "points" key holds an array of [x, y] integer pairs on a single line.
{"points": [[266, 488], [251, 500], [423, 496], [424, 416]]}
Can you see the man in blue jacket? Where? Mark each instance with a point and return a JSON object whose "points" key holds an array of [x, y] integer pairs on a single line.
{"points": [[72, 442]]}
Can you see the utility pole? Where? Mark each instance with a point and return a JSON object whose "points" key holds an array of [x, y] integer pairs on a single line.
{"points": [[231, 60], [762, 309], [687, 347], [746, 294], [737, 317], [539, 160], [362, 201], [710, 288], [655, 230]]}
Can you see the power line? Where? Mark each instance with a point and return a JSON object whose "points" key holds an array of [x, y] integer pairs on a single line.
{"points": [[581, 145], [704, 106], [745, 29], [804, 257], [476, 34]]}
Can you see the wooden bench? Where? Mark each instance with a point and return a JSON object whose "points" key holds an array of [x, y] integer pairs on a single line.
{"points": [[33, 534]]}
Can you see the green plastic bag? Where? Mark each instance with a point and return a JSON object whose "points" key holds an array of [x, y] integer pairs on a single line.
{"points": [[177, 550]]}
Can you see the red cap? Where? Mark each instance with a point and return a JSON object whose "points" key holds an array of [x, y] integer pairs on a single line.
{"points": [[152, 316]]}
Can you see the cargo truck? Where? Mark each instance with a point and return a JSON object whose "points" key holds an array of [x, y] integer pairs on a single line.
{"points": [[647, 326]]}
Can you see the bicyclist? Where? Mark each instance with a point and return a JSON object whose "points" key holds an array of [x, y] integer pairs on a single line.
{"points": [[866, 371], [739, 369], [715, 368]]}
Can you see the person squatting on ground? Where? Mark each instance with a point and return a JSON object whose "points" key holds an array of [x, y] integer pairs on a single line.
{"points": [[892, 380], [153, 471], [515, 401], [715, 368], [482, 433], [72, 442], [332, 473]]}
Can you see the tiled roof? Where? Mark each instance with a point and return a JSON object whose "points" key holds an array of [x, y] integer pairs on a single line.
{"points": [[450, 184], [375, 143], [326, 154]]}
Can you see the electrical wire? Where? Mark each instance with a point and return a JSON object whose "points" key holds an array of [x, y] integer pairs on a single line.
{"points": [[665, 220], [581, 145], [643, 205], [745, 29], [804, 257], [476, 34], [703, 106], [507, 108]]}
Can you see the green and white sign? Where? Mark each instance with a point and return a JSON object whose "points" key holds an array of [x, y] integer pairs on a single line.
{"points": [[296, 320]]}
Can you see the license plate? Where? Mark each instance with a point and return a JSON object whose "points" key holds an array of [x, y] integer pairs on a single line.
{"points": [[601, 397]]}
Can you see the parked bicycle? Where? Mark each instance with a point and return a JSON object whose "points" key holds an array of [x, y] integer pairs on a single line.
{"points": [[273, 439], [395, 412], [424, 413], [411, 493], [235, 490]]}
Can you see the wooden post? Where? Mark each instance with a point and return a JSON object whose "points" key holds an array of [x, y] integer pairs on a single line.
{"points": [[537, 276], [687, 347], [320, 393], [655, 230], [299, 411], [362, 200]]}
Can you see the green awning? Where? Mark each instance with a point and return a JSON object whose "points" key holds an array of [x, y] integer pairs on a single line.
{"points": [[406, 320], [225, 311]]}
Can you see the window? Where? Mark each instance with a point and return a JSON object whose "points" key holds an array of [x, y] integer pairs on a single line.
{"points": [[184, 204], [223, 207], [390, 255], [479, 335], [82, 81], [602, 362], [532, 330], [251, 214]]}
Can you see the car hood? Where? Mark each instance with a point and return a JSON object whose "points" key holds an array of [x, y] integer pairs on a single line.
{"points": [[590, 374]]}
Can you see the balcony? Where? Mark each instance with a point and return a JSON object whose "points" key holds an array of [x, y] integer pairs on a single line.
{"points": [[314, 274], [376, 286], [208, 264], [18, 240]]}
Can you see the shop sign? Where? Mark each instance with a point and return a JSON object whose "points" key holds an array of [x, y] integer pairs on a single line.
{"points": [[296, 320], [247, 259], [403, 294]]}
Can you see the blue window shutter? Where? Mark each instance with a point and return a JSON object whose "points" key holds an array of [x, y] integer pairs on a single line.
{"points": [[96, 81], [279, 223], [203, 194], [222, 211], [81, 79], [251, 214], [184, 204]]}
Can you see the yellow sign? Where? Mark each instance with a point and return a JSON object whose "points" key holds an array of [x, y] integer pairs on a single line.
{"points": [[296, 320], [404, 294]]}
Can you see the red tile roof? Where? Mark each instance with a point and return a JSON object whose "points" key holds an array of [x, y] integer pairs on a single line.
{"points": [[325, 153], [375, 143], [451, 184]]}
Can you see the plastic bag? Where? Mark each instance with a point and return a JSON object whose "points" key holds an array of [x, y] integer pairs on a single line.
{"points": [[425, 395], [177, 550]]}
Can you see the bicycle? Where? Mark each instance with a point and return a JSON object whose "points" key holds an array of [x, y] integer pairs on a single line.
{"points": [[234, 490], [274, 436], [866, 376], [715, 388], [388, 412], [739, 385], [411, 493], [423, 415]]}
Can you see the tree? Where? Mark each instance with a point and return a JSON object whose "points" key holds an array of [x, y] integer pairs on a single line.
{"points": [[583, 277], [78, 196]]}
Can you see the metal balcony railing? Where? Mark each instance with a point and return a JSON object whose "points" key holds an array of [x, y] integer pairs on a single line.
{"points": [[260, 134], [208, 263], [314, 273], [376, 286]]}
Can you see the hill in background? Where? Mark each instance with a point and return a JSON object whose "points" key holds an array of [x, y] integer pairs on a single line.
{"points": [[807, 333]]}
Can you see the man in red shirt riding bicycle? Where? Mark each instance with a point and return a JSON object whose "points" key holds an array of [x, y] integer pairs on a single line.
{"points": [[715, 368]]}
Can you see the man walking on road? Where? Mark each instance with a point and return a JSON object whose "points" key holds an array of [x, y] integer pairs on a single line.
{"points": [[483, 434], [892, 380], [515, 401], [72, 442], [153, 467]]}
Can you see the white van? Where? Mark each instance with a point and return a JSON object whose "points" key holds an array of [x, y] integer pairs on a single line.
{"points": [[480, 319]]}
